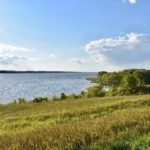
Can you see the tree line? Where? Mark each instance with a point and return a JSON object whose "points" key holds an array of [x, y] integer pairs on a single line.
{"points": [[126, 82]]}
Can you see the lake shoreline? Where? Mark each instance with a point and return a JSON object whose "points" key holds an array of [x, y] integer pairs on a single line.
{"points": [[31, 85], [15, 71]]}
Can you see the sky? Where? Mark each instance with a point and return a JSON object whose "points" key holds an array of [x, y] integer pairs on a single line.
{"points": [[74, 35]]}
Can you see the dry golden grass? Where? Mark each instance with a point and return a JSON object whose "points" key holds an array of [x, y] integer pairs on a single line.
{"points": [[97, 123]]}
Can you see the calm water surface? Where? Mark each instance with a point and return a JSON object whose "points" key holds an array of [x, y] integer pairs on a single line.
{"points": [[30, 85]]}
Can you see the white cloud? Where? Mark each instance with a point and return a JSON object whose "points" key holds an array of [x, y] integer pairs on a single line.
{"points": [[78, 61], [130, 1], [5, 49], [131, 49], [8, 54], [11, 59]]}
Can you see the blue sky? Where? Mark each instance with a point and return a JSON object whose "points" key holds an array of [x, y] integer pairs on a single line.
{"points": [[74, 35]]}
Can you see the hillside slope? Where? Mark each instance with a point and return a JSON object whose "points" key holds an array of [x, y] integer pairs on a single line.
{"points": [[99, 123]]}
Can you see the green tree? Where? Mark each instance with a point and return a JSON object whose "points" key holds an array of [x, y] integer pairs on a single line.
{"points": [[111, 79], [129, 85]]}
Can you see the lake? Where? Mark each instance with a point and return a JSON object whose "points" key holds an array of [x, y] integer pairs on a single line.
{"points": [[31, 85]]}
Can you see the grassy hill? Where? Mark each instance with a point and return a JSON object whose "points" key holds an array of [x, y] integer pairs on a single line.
{"points": [[111, 123]]}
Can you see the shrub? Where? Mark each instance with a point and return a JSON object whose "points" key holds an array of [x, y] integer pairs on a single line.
{"points": [[96, 91], [21, 100], [73, 96], [82, 93], [40, 99], [62, 96]]}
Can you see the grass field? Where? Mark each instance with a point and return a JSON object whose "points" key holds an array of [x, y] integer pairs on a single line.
{"points": [[111, 123]]}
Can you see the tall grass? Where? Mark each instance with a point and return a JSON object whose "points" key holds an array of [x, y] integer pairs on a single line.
{"points": [[116, 123]]}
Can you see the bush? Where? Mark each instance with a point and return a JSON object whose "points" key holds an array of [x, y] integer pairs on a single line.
{"points": [[96, 91], [40, 99], [21, 100], [73, 96], [83, 93], [62, 96]]}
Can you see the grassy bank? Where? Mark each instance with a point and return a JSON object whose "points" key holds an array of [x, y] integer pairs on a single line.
{"points": [[98, 123]]}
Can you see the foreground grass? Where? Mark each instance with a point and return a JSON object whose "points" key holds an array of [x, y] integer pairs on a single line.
{"points": [[115, 123]]}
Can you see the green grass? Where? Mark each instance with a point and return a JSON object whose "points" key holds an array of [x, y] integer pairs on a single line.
{"points": [[110, 123]]}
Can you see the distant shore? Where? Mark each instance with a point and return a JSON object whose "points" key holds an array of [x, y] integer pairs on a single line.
{"points": [[15, 71]]}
